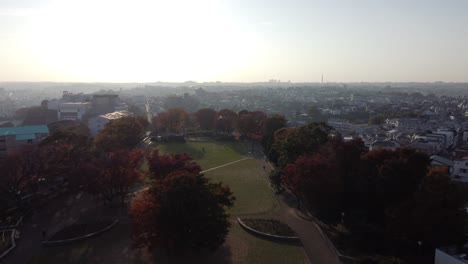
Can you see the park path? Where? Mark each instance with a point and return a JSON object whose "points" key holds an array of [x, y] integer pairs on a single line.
{"points": [[224, 165], [315, 244], [57, 214]]}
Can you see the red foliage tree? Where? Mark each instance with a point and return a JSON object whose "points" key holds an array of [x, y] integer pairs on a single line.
{"points": [[173, 120], [19, 177], [122, 133], [251, 123], [313, 178], [182, 212], [206, 118], [434, 215], [161, 166], [226, 120], [113, 174]]}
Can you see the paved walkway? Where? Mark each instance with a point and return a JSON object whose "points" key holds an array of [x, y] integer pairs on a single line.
{"points": [[224, 165], [57, 214], [315, 244]]}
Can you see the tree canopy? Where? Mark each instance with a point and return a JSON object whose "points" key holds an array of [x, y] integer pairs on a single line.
{"points": [[182, 212]]}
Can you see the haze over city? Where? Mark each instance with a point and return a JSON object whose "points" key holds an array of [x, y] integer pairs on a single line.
{"points": [[241, 41]]}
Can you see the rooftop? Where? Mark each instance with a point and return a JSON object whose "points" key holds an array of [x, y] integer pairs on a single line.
{"points": [[117, 114], [24, 132]]}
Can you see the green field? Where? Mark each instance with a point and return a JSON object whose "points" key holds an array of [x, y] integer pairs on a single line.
{"points": [[215, 154], [248, 181]]}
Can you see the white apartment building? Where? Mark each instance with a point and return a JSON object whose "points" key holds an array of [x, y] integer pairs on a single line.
{"points": [[72, 111]]}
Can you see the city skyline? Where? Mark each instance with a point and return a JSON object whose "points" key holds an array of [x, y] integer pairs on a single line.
{"points": [[233, 41]]}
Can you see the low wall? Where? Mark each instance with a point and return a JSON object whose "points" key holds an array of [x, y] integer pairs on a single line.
{"points": [[266, 235], [64, 241]]}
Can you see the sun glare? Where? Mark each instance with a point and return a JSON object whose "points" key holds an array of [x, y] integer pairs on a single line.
{"points": [[139, 40]]}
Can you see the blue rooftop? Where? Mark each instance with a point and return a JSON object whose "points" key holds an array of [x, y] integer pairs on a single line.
{"points": [[24, 132]]}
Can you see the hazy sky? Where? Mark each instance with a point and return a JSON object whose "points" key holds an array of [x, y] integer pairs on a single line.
{"points": [[238, 40]]}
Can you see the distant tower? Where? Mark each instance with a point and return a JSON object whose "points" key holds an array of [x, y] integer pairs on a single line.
{"points": [[322, 79]]}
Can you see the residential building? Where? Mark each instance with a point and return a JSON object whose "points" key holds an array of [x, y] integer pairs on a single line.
{"points": [[72, 111], [13, 138], [105, 103], [97, 123], [460, 170]]}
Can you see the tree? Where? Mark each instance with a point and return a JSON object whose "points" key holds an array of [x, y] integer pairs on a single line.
{"points": [[251, 123], [113, 174], [206, 118], [160, 166], [389, 178], [270, 126], [122, 133], [182, 212], [20, 173], [69, 126], [226, 120], [313, 178], [434, 215], [289, 144], [173, 120]]}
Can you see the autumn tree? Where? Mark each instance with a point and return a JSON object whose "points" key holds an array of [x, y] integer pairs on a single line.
{"points": [[161, 166], [122, 133], [226, 120], [20, 173], [112, 174], [387, 178], [173, 120], [434, 215], [205, 118], [251, 123], [65, 152], [182, 212], [314, 179], [15, 182]]}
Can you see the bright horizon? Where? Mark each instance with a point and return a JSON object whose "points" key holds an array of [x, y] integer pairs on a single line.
{"points": [[233, 41]]}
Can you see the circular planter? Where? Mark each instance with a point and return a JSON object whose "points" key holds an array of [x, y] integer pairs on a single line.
{"points": [[265, 234]]}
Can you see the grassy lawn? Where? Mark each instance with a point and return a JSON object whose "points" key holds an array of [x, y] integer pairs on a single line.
{"points": [[249, 183], [215, 154]]}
